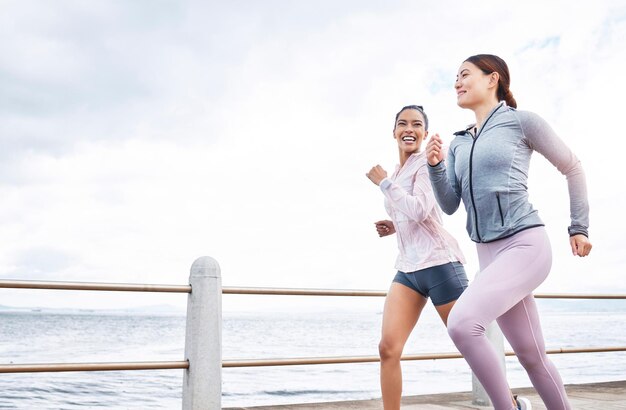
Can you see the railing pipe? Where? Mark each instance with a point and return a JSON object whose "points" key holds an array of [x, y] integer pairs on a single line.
{"points": [[579, 296], [299, 361], [115, 287], [237, 290], [300, 292], [202, 382], [90, 367]]}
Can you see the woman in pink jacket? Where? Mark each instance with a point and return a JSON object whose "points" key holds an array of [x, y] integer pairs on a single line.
{"points": [[430, 261]]}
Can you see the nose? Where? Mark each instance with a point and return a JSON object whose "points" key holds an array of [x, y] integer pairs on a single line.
{"points": [[457, 84]]}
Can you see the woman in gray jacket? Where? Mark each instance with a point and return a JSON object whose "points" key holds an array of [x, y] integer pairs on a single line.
{"points": [[487, 167]]}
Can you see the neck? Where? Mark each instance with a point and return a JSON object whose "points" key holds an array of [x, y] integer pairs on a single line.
{"points": [[483, 110], [404, 156]]}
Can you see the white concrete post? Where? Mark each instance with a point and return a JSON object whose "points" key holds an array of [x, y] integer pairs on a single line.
{"points": [[479, 395], [202, 383]]}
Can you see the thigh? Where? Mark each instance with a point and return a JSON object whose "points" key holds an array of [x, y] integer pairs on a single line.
{"points": [[403, 307], [444, 311], [511, 275]]}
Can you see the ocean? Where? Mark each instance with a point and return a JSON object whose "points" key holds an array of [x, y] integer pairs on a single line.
{"points": [[48, 337]]}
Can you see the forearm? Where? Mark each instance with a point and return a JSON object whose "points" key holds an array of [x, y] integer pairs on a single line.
{"points": [[445, 195], [416, 206], [579, 205]]}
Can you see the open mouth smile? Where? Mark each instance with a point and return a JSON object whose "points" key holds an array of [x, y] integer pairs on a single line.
{"points": [[409, 139]]}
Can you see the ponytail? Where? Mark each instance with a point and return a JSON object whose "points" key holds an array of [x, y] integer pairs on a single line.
{"points": [[507, 96]]}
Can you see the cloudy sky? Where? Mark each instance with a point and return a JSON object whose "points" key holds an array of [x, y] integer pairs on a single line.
{"points": [[138, 136]]}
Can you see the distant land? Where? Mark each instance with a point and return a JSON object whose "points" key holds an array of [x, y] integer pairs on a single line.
{"points": [[150, 310]]}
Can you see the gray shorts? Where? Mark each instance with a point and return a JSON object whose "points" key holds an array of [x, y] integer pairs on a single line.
{"points": [[442, 283]]}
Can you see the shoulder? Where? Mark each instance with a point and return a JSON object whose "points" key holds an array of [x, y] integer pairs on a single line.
{"points": [[460, 138], [527, 117], [532, 124], [527, 122]]}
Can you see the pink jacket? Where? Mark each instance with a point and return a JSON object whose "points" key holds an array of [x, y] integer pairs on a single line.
{"points": [[411, 204]]}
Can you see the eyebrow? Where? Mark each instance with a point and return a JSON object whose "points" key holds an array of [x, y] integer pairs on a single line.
{"points": [[403, 120], [464, 70]]}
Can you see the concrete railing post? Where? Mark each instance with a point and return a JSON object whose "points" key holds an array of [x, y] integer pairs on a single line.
{"points": [[202, 383], [479, 395]]}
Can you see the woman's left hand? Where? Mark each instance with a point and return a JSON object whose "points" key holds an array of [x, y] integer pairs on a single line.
{"points": [[377, 174], [580, 245], [385, 228]]}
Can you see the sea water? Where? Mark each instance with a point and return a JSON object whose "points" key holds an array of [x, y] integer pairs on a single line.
{"points": [[44, 337]]}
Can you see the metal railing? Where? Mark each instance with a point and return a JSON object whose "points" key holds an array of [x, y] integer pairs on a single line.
{"points": [[91, 367], [203, 333], [372, 359], [351, 292], [72, 367], [203, 361]]}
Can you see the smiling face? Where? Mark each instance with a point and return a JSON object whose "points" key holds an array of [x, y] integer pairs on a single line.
{"points": [[410, 131], [473, 86]]}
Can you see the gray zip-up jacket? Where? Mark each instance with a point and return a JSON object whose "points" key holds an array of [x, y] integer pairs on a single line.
{"points": [[488, 169]]}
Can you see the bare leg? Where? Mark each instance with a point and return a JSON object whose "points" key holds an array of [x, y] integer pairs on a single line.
{"points": [[403, 307], [444, 311]]}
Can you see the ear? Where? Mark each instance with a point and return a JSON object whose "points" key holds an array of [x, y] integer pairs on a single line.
{"points": [[494, 78]]}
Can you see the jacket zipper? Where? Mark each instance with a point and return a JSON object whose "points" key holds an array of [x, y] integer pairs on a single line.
{"points": [[500, 208], [471, 185]]}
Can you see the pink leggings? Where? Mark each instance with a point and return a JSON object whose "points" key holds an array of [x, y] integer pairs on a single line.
{"points": [[510, 269]]}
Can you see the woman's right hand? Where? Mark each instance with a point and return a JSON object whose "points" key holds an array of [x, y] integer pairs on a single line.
{"points": [[434, 150], [580, 245], [385, 228]]}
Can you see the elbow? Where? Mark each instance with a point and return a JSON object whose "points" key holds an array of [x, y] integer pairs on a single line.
{"points": [[573, 168], [449, 210], [420, 217], [448, 206]]}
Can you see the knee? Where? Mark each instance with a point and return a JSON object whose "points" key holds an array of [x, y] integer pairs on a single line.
{"points": [[531, 359], [461, 327], [389, 350]]}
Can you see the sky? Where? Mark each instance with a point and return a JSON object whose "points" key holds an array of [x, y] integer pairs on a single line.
{"points": [[138, 136]]}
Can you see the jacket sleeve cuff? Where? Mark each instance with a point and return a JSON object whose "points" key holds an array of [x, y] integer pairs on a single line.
{"points": [[384, 184], [577, 230]]}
